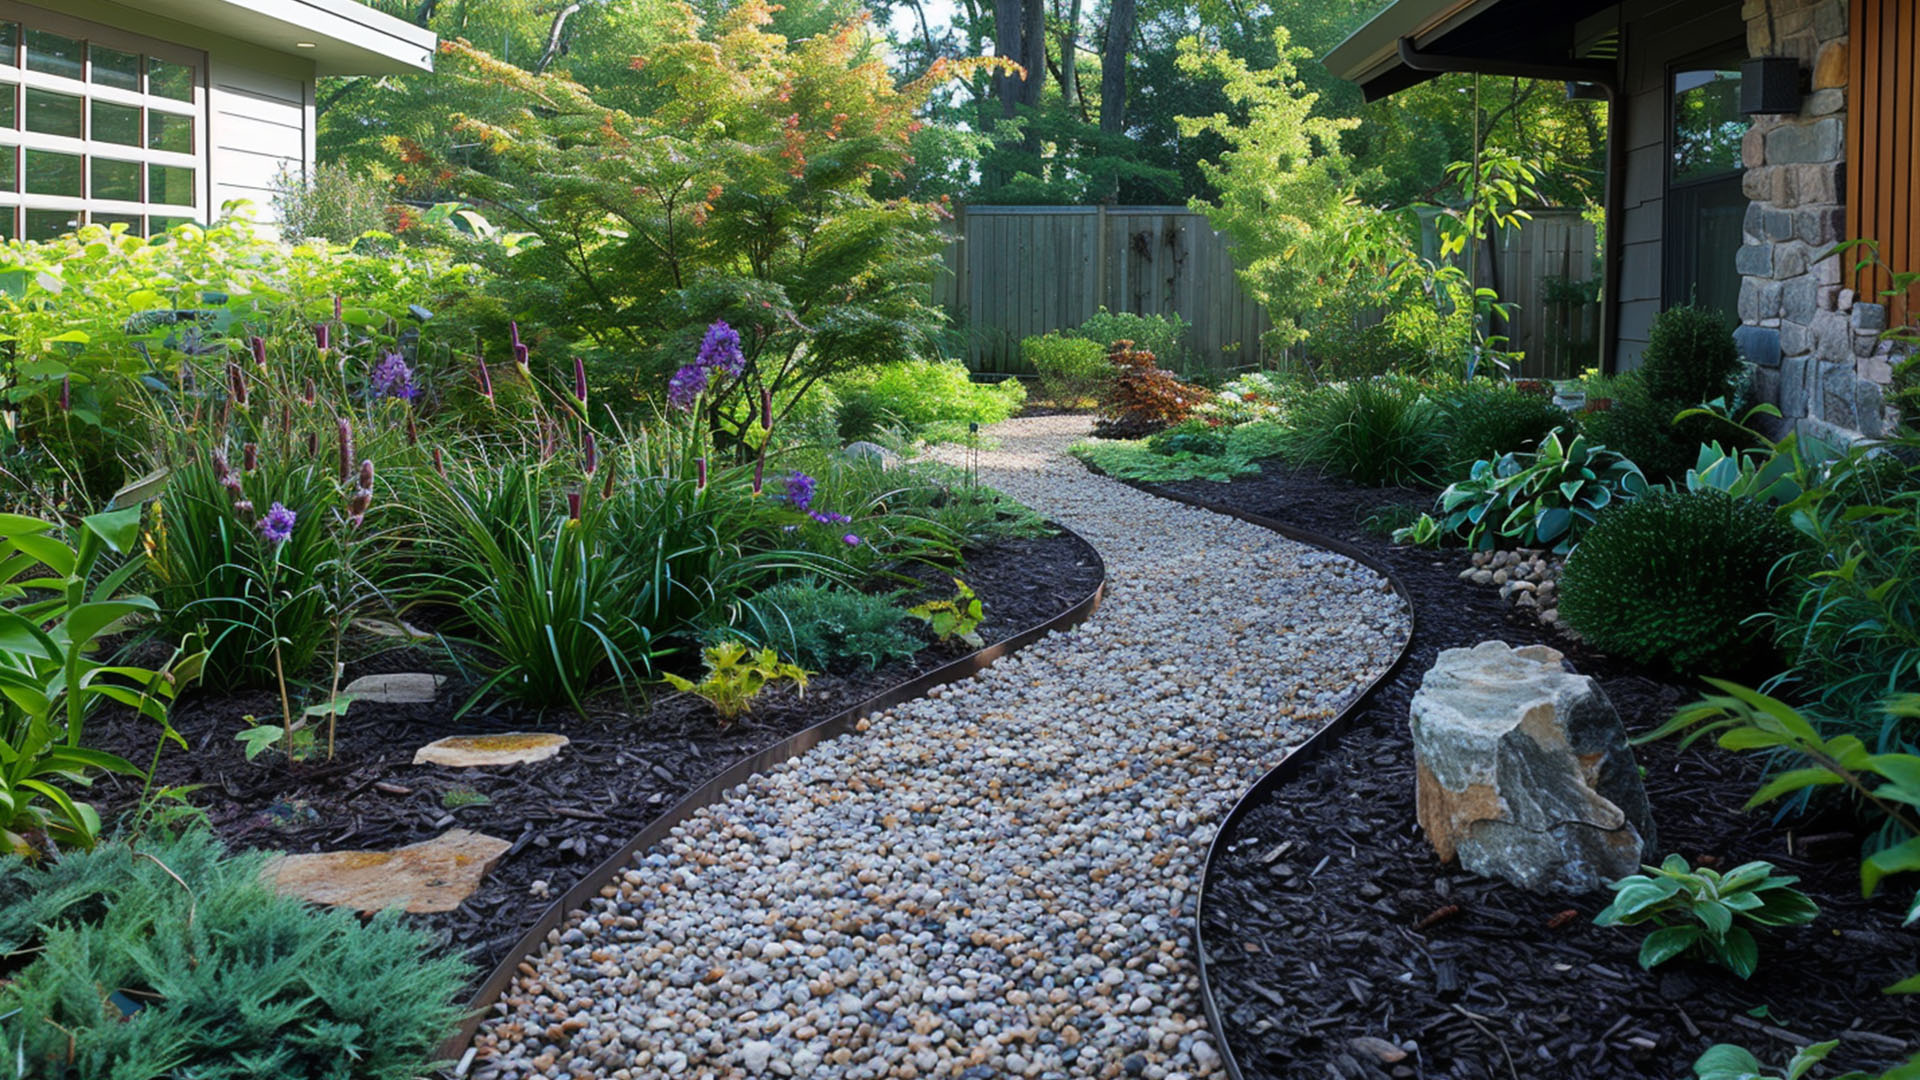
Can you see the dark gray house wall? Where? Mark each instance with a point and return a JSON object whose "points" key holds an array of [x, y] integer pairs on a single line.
{"points": [[1654, 34]]}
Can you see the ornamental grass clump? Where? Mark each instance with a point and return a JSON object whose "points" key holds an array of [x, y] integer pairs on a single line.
{"points": [[1375, 432], [1678, 580]]}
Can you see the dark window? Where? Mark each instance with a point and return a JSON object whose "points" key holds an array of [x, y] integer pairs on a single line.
{"points": [[1705, 208]]}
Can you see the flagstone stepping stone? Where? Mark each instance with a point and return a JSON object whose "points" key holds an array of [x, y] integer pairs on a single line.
{"points": [[433, 875], [474, 751], [390, 628], [405, 688]]}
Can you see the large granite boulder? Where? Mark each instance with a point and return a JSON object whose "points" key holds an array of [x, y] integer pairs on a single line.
{"points": [[1524, 771]]}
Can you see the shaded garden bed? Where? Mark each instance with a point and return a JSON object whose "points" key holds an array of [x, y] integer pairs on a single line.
{"points": [[1340, 947], [625, 765]]}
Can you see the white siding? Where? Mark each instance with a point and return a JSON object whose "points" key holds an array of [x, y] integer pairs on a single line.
{"points": [[260, 123]]}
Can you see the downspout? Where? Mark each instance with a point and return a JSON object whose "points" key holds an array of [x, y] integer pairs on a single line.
{"points": [[1607, 77]]}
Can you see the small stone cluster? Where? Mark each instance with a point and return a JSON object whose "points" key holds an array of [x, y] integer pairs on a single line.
{"points": [[1528, 578], [1815, 345]]}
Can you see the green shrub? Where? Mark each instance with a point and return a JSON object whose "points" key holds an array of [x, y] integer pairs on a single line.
{"points": [[1192, 437], [934, 399], [1073, 371], [1690, 356], [1674, 579], [229, 979], [1375, 432], [1642, 427], [1165, 336], [1548, 498], [1135, 460], [824, 627], [1259, 439], [1486, 419]]}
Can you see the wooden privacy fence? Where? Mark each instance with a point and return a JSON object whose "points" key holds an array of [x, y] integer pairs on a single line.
{"points": [[1017, 271]]}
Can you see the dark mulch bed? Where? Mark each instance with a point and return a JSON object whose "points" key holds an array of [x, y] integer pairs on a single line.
{"points": [[623, 768], [1331, 920]]}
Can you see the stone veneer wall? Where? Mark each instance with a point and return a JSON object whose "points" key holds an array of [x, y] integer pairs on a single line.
{"points": [[1815, 346]]}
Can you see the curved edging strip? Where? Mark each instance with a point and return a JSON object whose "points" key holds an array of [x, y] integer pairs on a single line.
{"points": [[458, 1047], [1302, 754]]}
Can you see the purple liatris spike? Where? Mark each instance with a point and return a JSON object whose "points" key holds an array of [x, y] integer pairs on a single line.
{"points": [[366, 474], [439, 463], [322, 336], [513, 328], [336, 308], [720, 349], [686, 386], [259, 346], [766, 409], [700, 473], [589, 453], [243, 509], [573, 506], [237, 384], [850, 540], [759, 473], [520, 356], [66, 393], [486, 380], [580, 379], [277, 526], [313, 443], [311, 394], [800, 490], [392, 378], [346, 449], [250, 456]]}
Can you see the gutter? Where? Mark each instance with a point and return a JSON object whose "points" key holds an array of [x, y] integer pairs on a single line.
{"points": [[1603, 74]]}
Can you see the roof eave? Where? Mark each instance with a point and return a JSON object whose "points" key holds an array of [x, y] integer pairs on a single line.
{"points": [[1374, 50], [341, 37]]}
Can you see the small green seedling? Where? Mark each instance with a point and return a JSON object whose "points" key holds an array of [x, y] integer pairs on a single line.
{"points": [[735, 677], [1695, 911], [959, 617]]}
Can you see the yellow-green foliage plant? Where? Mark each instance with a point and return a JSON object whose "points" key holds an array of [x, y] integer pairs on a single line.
{"points": [[959, 617], [736, 676]]}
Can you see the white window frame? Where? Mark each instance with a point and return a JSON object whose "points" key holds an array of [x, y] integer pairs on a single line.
{"points": [[14, 205]]}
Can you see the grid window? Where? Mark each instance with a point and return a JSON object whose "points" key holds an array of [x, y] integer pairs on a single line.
{"points": [[54, 54], [97, 125]]}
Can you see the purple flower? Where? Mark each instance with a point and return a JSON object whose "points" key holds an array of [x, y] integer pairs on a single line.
{"points": [[800, 490], [686, 386], [851, 540], [66, 393], [580, 379], [259, 346], [721, 349], [277, 526], [322, 336], [393, 378], [828, 517], [486, 380]]}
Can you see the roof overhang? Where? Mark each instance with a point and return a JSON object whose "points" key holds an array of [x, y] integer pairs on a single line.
{"points": [[1414, 40], [341, 37]]}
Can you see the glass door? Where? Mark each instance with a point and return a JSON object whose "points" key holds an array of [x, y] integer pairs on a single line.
{"points": [[1706, 208]]}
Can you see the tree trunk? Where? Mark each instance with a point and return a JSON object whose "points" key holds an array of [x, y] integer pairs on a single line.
{"points": [[1007, 26], [1113, 76], [1070, 58]]}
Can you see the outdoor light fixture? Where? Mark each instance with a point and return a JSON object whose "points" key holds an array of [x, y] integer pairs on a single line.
{"points": [[305, 45], [1770, 84]]}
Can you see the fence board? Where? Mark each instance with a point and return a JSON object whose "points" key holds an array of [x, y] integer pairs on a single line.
{"points": [[1017, 271]]}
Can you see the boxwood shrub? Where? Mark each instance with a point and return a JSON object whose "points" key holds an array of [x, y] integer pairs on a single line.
{"points": [[1674, 579]]}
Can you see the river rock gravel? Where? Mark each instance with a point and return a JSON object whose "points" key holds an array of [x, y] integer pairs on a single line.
{"points": [[996, 880]]}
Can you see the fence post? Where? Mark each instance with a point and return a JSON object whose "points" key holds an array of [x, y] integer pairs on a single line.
{"points": [[1100, 257]]}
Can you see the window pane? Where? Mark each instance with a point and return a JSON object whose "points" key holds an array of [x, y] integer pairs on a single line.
{"points": [[116, 123], [9, 51], [50, 173], [169, 131], [169, 80], [6, 213], [9, 113], [47, 224], [170, 185], [111, 67], [1707, 124], [53, 114], [53, 54], [162, 224], [9, 170], [116, 179], [131, 221]]}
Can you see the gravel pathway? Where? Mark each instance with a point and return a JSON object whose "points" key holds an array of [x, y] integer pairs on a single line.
{"points": [[994, 881]]}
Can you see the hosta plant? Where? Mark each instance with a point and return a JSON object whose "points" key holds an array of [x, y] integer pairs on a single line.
{"points": [[1744, 719], [735, 676], [959, 617], [1541, 499], [51, 677], [1695, 909], [1725, 1061]]}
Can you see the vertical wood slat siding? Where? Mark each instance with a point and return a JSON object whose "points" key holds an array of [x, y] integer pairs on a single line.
{"points": [[1016, 272], [1883, 139]]}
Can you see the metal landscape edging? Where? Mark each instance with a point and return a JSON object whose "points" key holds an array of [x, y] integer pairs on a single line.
{"points": [[458, 1047], [1300, 755]]}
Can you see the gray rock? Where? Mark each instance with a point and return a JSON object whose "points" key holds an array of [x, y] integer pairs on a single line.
{"points": [[1524, 771], [867, 451], [755, 1055]]}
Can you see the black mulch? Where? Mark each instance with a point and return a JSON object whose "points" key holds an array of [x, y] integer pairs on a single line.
{"points": [[623, 768], [1331, 921]]}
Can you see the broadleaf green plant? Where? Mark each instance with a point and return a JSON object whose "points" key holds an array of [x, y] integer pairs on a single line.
{"points": [[1725, 1061], [1695, 911], [1547, 498], [1747, 720], [959, 617]]}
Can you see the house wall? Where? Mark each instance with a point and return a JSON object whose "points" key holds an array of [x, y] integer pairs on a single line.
{"points": [[260, 114], [1654, 35], [1814, 344]]}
